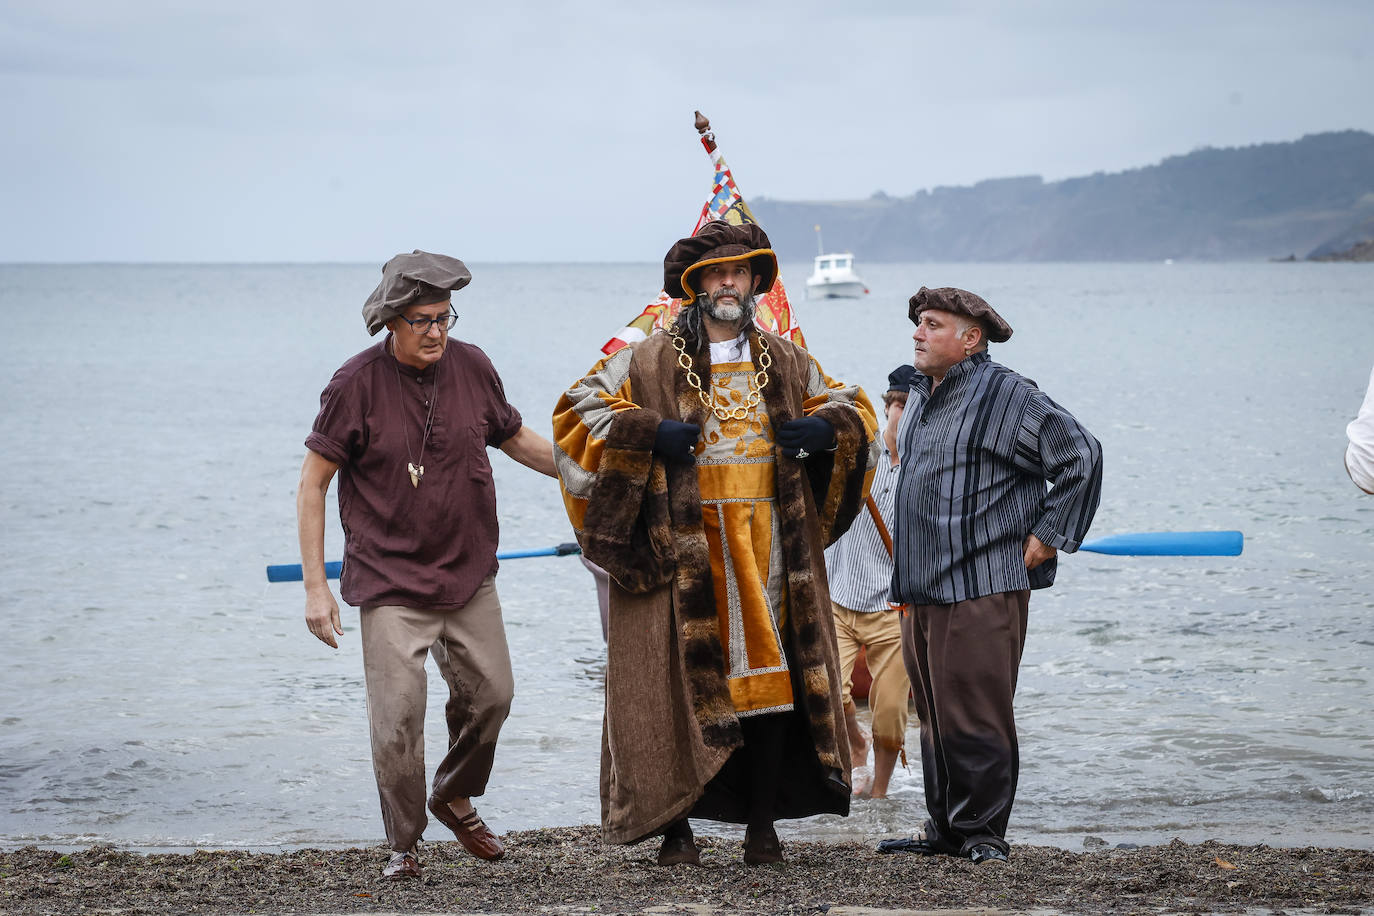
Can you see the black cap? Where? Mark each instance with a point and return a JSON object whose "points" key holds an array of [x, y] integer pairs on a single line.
{"points": [[901, 378]]}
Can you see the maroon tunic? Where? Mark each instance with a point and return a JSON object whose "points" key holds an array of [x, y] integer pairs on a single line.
{"points": [[428, 546]]}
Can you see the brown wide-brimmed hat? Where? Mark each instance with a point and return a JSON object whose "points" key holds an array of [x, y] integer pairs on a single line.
{"points": [[418, 278], [715, 243], [960, 302]]}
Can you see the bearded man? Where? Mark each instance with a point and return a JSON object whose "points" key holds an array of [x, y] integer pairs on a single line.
{"points": [[706, 469]]}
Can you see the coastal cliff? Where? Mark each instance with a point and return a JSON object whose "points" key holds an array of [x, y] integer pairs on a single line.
{"points": [[1309, 196], [1360, 251]]}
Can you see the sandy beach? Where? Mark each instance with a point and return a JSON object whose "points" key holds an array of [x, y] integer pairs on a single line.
{"points": [[569, 871]]}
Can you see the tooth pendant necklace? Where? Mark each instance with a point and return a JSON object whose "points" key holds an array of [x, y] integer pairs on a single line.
{"points": [[417, 469]]}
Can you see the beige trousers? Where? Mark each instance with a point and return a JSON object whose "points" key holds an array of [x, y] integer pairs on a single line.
{"points": [[881, 633], [469, 646]]}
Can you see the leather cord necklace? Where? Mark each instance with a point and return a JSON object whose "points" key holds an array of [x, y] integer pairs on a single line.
{"points": [[417, 469]]}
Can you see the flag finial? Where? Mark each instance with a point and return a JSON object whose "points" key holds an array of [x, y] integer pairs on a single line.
{"points": [[708, 139]]}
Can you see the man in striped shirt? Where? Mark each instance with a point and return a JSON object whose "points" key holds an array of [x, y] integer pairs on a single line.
{"points": [[996, 478], [859, 566]]}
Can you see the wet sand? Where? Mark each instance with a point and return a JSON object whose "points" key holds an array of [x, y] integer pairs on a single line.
{"points": [[569, 871]]}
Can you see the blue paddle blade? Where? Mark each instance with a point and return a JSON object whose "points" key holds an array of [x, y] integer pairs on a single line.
{"points": [[1169, 544]]}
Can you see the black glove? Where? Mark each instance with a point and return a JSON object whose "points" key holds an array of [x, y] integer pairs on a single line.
{"points": [[676, 442], [805, 436]]}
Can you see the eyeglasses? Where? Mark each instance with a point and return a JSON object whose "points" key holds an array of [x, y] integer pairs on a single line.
{"points": [[421, 326]]}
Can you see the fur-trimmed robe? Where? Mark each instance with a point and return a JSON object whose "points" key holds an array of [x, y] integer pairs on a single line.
{"points": [[670, 725]]}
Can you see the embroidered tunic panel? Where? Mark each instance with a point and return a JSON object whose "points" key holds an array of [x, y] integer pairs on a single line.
{"points": [[738, 512]]}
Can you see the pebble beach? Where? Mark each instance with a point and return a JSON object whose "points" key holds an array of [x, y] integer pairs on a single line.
{"points": [[569, 871]]}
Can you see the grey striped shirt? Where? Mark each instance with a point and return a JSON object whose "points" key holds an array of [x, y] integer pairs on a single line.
{"points": [[858, 565], [978, 456]]}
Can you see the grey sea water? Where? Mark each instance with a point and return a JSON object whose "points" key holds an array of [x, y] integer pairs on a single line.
{"points": [[156, 692]]}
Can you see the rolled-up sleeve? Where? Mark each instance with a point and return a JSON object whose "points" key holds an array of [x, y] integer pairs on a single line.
{"points": [[338, 430]]}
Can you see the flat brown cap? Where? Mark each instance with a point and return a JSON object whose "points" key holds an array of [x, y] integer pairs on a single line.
{"points": [[960, 302], [418, 278], [715, 242]]}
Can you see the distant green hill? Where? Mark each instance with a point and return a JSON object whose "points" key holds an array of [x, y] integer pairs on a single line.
{"points": [[1313, 195]]}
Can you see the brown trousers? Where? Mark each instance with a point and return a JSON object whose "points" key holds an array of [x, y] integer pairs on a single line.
{"points": [[469, 646], [962, 659]]}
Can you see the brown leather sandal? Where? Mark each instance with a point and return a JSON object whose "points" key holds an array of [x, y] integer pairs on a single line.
{"points": [[402, 865], [470, 830]]}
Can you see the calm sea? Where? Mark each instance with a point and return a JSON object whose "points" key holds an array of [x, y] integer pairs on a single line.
{"points": [[156, 692]]}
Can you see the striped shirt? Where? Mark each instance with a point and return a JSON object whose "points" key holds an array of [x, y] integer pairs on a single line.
{"points": [[858, 564], [978, 457]]}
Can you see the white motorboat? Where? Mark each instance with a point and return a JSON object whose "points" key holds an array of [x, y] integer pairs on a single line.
{"points": [[833, 276]]}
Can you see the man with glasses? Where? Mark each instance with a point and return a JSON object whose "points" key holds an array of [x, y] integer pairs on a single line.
{"points": [[406, 425]]}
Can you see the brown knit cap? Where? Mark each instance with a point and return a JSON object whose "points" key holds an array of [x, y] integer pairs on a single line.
{"points": [[418, 278], [715, 242], [960, 302]]}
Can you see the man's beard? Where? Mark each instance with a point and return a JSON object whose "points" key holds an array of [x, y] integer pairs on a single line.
{"points": [[739, 313]]}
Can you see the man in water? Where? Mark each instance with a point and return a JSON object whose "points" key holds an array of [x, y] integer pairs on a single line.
{"points": [[859, 565], [977, 529], [705, 469], [406, 425]]}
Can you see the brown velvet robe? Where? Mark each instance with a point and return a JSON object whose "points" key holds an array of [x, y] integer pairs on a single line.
{"points": [[670, 725]]}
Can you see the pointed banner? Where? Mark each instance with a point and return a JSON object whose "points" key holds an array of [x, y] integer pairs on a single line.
{"points": [[774, 311]]}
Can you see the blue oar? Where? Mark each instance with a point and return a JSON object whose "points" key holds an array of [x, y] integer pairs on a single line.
{"points": [[1143, 544], [291, 572], [1169, 544]]}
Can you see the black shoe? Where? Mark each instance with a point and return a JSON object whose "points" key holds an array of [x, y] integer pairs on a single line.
{"points": [[986, 852], [761, 847], [679, 850]]}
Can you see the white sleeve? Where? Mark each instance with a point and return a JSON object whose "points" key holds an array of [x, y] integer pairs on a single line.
{"points": [[1359, 455]]}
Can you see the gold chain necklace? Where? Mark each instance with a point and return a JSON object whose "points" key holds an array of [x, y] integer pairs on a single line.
{"points": [[757, 382]]}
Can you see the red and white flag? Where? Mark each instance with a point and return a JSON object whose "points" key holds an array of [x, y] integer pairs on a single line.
{"points": [[774, 312]]}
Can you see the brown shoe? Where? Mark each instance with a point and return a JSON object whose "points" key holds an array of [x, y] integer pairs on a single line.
{"points": [[475, 836], [762, 847], [402, 865], [678, 850]]}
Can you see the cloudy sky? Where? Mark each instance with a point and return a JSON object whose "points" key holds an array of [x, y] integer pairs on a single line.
{"points": [[241, 130]]}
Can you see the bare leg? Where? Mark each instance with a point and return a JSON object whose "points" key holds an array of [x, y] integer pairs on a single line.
{"points": [[884, 761], [461, 806]]}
